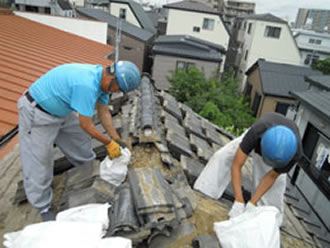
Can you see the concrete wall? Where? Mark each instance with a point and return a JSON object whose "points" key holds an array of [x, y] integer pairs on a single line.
{"points": [[77, 3], [130, 17], [164, 65], [93, 30], [41, 3], [176, 25]]}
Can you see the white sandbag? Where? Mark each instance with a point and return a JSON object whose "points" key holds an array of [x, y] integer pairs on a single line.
{"points": [[116, 242], [55, 234], [114, 171], [87, 213], [254, 228]]}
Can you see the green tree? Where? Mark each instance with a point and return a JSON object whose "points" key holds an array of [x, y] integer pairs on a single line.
{"points": [[322, 65], [218, 101]]}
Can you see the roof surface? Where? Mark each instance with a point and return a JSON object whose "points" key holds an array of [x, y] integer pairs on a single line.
{"points": [[167, 136], [189, 47], [322, 82], [265, 17], [64, 4], [278, 79], [140, 14], [28, 50], [97, 14], [192, 6]]}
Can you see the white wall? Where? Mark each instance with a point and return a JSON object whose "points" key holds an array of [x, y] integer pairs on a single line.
{"points": [[279, 50], [182, 22], [92, 30], [77, 3], [130, 17]]}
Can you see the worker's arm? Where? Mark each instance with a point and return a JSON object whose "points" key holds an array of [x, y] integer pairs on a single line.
{"points": [[106, 120], [86, 123], [236, 179], [265, 184]]}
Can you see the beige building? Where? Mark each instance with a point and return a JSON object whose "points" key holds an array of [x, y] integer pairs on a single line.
{"points": [[269, 85]]}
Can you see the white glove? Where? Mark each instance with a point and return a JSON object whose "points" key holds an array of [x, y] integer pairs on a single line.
{"points": [[249, 206], [236, 210]]}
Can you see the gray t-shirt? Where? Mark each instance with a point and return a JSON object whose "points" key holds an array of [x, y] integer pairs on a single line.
{"points": [[251, 140]]}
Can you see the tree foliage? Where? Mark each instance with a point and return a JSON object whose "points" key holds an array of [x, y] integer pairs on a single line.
{"points": [[218, 101], [322, 65]]}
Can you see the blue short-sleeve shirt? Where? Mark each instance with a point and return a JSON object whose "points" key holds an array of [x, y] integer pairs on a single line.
{"points": [[70, 87]]}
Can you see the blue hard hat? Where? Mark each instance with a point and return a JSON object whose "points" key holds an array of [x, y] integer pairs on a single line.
{"points": [[128, 75], [278, 146]]}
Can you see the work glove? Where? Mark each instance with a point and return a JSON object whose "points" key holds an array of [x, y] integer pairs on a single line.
{"points": [[113, 149], [121, 143], [236, 210], [249, 206]]}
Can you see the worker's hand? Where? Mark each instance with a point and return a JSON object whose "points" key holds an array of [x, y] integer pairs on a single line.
{"points": [[236, 210], [113, 149], [121, 143], [249, 206]]}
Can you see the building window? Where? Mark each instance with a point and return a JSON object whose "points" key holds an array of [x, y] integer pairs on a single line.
{"points": [[122, 14], [282, 108], [311, 59], [256, 102], [184, 66], [196, 29], [180, 65], [246, 55], [244, 26], [272, 32], [249, 28], [314, 41], [208, 24]]}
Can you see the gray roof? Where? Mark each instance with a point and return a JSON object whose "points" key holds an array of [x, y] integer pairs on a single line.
{"points": [[192, 6], [319, 101], [322, 82], [265, 17], [141, 16], [279, 79], [127, 28], [64, 4], [188, 47]]}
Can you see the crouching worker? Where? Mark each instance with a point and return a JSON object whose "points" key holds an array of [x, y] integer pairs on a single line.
{"points": [[58, 109], [275, 146]]}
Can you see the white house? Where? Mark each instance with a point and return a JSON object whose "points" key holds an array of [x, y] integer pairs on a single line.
{"points": [[312, 45], [133, 13], [198, 20], [264, 36]]}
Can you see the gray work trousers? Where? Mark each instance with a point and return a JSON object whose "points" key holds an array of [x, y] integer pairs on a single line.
{"points": [[38, 132]]}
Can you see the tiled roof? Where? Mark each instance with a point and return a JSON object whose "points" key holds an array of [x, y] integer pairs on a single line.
{"points": [[28, 50], [64, 4], [188, 47], [279, 79], [128, 28], [265, 17], [323, 82], [192, 6]]}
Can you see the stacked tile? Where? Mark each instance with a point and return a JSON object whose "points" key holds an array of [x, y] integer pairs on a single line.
{"points": [[83, 185], [193, 124], [201, 147]]}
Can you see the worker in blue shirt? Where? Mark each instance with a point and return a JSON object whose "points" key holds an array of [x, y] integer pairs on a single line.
{"points": [[58, 109]]}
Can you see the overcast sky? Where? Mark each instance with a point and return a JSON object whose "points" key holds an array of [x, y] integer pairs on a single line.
{"points": [[286, 9]]}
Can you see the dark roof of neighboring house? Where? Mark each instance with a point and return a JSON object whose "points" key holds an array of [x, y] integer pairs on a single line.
{"points": [[139, 13], [265, 17], [127, 27], [279, 79], [192, 5], [64, 4], [319, 101], [23, 59], [323, 82], [188, 47]]}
